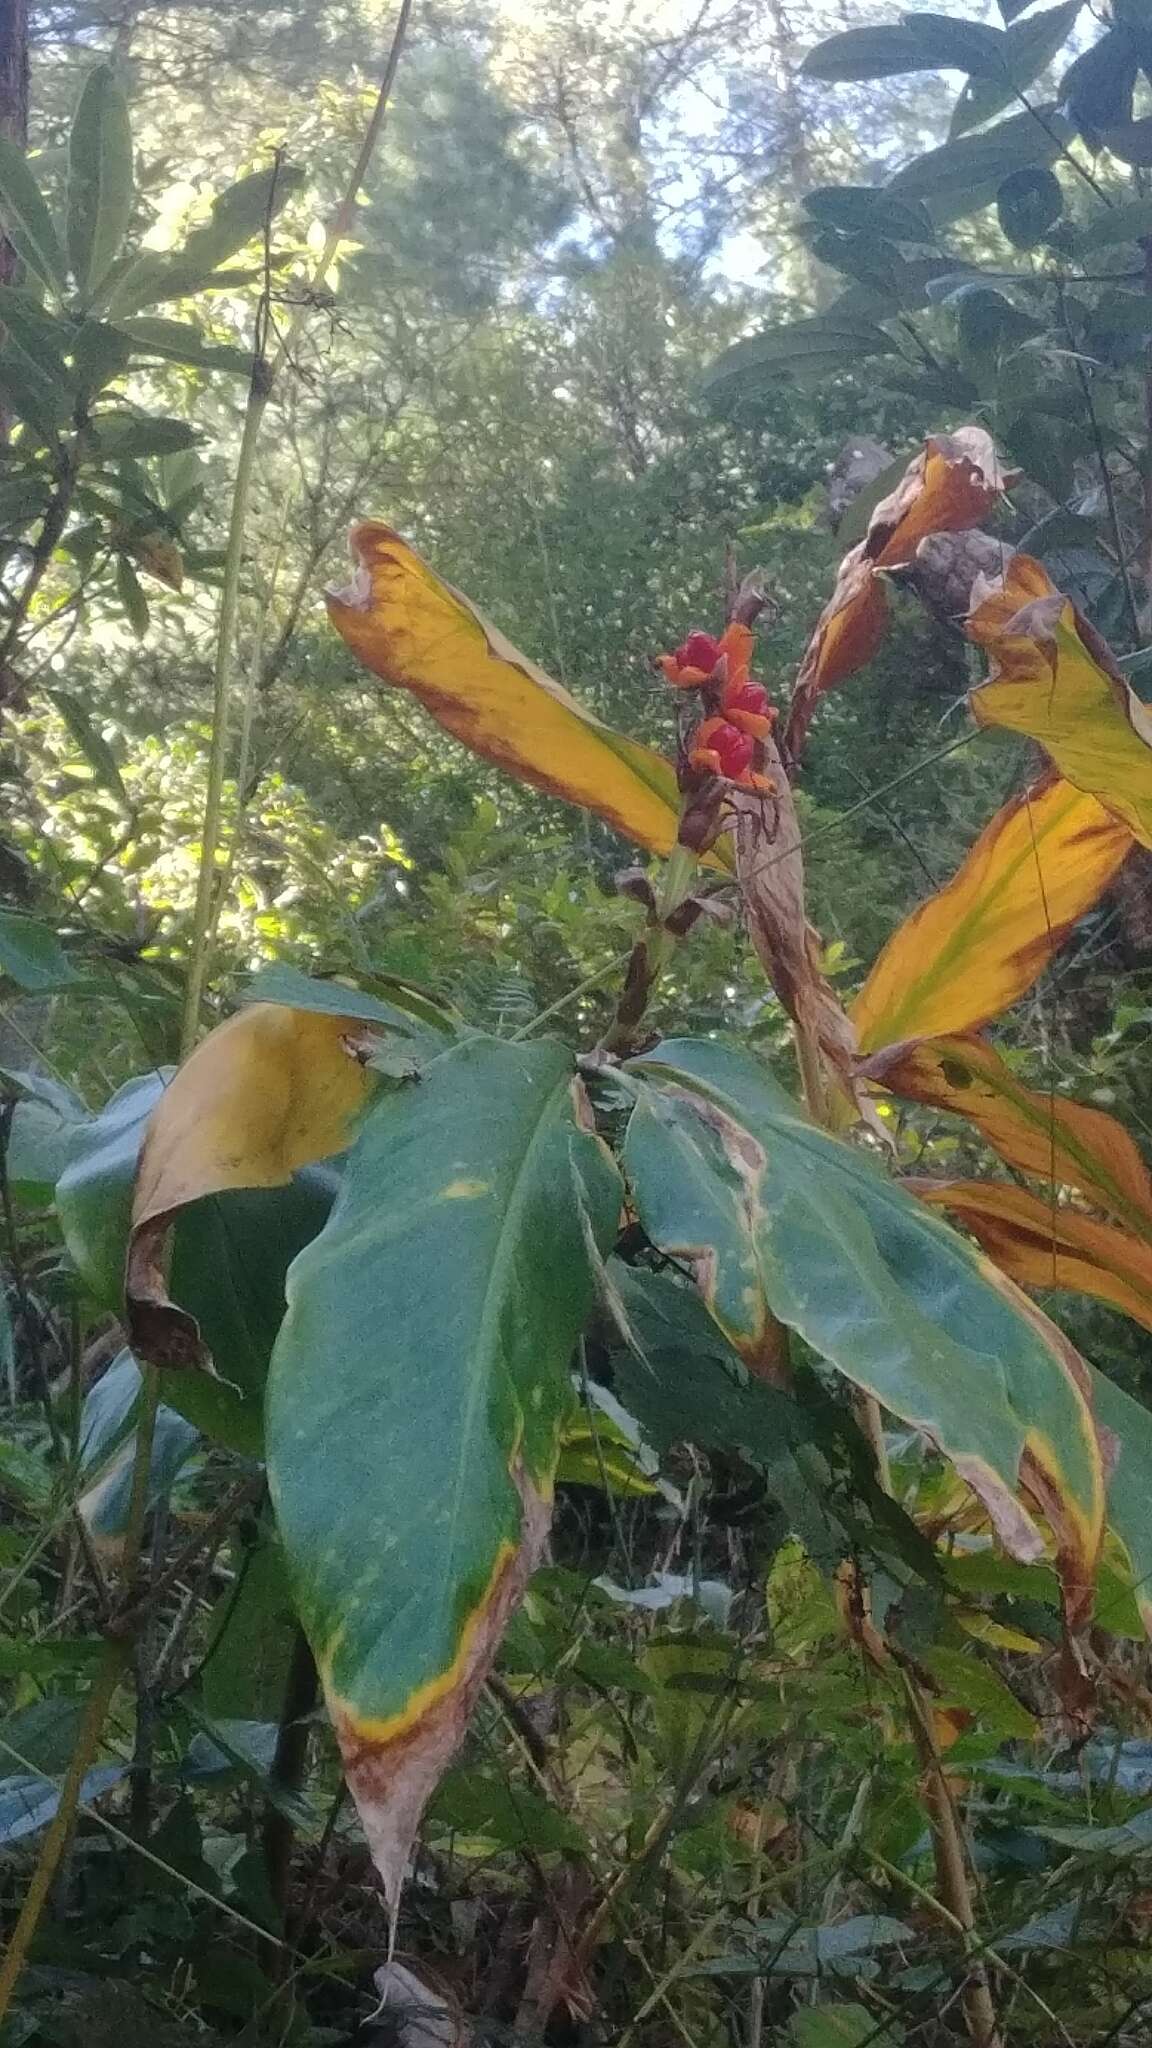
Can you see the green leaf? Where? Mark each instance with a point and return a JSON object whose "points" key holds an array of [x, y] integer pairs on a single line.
{"points": [[865, 256], [1097, 89], [44, 1732], [27, 221], [1045, 449], [37, 1147], [777, 1216], [1027, 203], [1131, 141], [61, 1657], [27, 1804], [45, 1115], [34, 397], [92, 744], [1131, 1838], [922, 42], [407, 1009], [1130, 222], [966, 1680], [1029, 48], [869, 208], [987, 323], [784, 1949], [842, 2026], [120, 434], [22, 499], [506, 1814], [180, 341], [31, 955], [950, 44], [429, 1336], [231, 1253], [7, 1345], [101, 188], [100, 354], [964, 175], [251, 1634], [686, 1384], [42, 338], [1129, 1485], [108, 1450], [130, 591], [238, 215], [802, 347]]}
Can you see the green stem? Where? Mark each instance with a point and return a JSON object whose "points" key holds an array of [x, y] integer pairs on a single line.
{"points": [[949, 1849], [650, 954], [56, 1839], [258, 395], [113, 1668], [259, 392]]}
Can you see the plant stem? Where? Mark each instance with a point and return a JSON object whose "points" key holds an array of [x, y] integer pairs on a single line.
{"points": [[113, 1668], [649, 955], [951, 1862], [56, 1839], [51, 528], [260, 389], [943, 1821], [258, 395], [301, 1692], [1146, 536]]}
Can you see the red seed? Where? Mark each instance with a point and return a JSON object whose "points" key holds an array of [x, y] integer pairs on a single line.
{"points": [[747, 697], [699, 651]]}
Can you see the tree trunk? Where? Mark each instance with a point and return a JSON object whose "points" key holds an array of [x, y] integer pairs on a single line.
{"points": [[13, 96], [13, 123]]}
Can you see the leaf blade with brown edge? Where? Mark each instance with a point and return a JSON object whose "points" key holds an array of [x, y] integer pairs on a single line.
{"points": [[950, 485], [974, 948], [1054, 679], [1039, 1133], [1129, 1425], [267, 1092], [428, 1339], [1042, 1245], [727, 1175], [416, 632]]}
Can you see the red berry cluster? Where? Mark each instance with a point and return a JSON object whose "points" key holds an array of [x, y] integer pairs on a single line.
{"points": [[728, 741]]}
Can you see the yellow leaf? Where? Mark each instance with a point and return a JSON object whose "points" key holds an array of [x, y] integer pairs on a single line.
{"points": [[995, 1634], [1040, 1133], [1056, 680], [419, 634], [271, 1090], [973, 948], [1041, 1245]]}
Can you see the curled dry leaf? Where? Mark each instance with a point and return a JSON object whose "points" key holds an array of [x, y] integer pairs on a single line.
{"points": [[1056, 680], [948, 567], [269, 1091], [978, 944], [1039, 1243], [770, 873], [421, 635], [950, 485], [1034, 1130]]}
